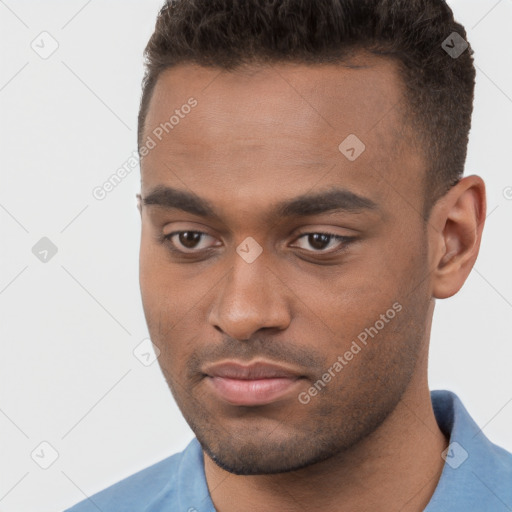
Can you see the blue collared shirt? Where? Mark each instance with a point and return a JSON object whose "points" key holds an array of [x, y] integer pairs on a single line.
{"points": [[477, 474]]}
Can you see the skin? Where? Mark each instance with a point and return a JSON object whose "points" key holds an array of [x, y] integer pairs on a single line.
{"points": [[257, 137]]}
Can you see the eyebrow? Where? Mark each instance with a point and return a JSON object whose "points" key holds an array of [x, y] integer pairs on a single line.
{"points": [[332, 200]]}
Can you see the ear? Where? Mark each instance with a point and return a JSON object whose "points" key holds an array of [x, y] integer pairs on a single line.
{"points": [[455, 231], [139, 203]]}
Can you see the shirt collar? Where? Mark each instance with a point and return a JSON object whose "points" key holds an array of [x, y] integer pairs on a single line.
{"points": [[477, 474], [188, 488]]}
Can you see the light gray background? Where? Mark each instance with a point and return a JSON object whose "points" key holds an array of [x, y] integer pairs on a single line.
{"points": [[69, 326]]}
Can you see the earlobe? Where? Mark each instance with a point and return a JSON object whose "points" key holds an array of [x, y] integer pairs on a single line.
{"points": [[459, 219]]}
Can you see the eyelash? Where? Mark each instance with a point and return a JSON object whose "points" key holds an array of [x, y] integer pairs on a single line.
{"points": [[344, 240]]}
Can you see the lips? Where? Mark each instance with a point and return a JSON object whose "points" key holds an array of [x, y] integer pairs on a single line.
{"points": [[258, 370], [258, 383]]}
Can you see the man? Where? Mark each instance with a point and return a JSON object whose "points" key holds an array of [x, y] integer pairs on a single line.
{"points": [[302, 207]]}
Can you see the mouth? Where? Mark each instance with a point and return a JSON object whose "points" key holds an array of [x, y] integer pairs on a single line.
{"points": [[259, 383]]}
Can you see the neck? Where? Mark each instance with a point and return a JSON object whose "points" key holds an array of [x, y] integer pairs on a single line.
{"points": [[397, 467]]}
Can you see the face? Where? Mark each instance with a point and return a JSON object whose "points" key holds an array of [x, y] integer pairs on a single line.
{"points": [[282, 268]]}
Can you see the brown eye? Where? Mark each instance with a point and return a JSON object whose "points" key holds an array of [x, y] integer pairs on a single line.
{"points": [[319, 242], [189, 241]]}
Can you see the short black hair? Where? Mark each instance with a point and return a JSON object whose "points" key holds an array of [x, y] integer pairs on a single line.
{"points": [[228, 34]]}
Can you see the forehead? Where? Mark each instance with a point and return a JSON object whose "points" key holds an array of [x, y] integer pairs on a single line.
{"points": [[278, 128]]}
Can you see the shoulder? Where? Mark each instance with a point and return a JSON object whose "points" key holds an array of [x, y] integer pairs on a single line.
{"points": [[477, 474], [140, 489]]}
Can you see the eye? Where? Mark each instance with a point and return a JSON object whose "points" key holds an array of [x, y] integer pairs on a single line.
{"points": [[193, 242], [323, 242], [189, 241]]}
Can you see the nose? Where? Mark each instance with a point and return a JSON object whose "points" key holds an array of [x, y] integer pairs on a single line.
{"points": [[251, 297]]}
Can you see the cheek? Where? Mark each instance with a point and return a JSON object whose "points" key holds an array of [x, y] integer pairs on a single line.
{"points": [[159, 280], [150, 280], [170, 322], [158, 296], [364, 309], [341, 302], [173, 305]]}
